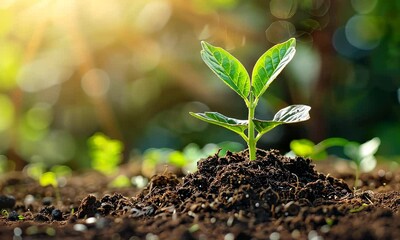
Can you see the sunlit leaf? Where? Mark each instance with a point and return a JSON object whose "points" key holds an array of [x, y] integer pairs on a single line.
{"points": [[48, 178], [302, 147], [290, 114], [238, 126], [227, 68], [270, 64]]}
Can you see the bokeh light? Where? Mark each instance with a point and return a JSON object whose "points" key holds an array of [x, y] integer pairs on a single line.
{"points": [[6, 112], [364, 32], [279, 31], [364, 6], [283, 9], [95, 83]]}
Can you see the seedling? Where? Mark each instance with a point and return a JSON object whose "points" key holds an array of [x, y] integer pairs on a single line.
{"points": [[233, 73], [307, 148], [106, 153], [362, 155]]}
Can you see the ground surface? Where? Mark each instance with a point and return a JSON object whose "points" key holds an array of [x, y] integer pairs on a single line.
{"points": [[228, 198]]}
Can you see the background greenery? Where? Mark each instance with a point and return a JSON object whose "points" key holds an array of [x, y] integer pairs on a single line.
{"points": [[132, 70]]}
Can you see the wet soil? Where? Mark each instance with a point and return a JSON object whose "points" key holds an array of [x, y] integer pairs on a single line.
{"points": [[230, 197]]}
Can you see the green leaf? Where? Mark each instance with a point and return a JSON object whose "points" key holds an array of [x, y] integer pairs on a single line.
{"points": [[236, 125], [227, 68], [290, 114], [357, 152], [270, 64], [302, 147]]}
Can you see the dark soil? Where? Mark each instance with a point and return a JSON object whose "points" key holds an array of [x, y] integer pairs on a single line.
{"points": [[228, 198]]}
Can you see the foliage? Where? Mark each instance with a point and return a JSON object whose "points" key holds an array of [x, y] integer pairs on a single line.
{"points": [[307, 148], [121, 181], [234, 74], [54, 176], [105, 153], [48, 178], [362, 155], [185, 159]]}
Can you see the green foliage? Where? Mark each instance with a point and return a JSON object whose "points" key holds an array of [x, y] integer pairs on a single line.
{"points": [[48, 178], [307, 148], [185, 159], [227, 68], [233, 73], [270, 64], [105, 153], [121, 181], [362, 155]]}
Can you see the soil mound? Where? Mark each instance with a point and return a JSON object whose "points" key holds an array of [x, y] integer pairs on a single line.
{"points": [[235, 183]]}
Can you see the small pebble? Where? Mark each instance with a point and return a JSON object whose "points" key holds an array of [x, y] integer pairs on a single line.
{"points": [[29, 199], [17, 231], [213, 220], [7, 201], [275, 236], [230, 221], [296, 234], [229, 236], [57, 215], [91, 220], [325, 229], [80, 227], [13, 216], [151, 236]]}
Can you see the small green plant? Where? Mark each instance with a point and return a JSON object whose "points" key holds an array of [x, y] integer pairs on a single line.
{"points": [[106, 153], [362, 156], [234, 74], [307, 148]]}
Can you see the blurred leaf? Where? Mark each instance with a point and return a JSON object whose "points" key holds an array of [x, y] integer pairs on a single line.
{"points": [[48, 178], [6, 112], [106, 153], [35, 170], [369, 148], [227, 68], [302, 147], [363, 154], [10, 64], [270, 64], [120, 181], [61, 170], [177, 158]]}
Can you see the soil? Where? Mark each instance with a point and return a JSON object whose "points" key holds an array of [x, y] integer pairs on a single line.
{"points": [[227, 198]]}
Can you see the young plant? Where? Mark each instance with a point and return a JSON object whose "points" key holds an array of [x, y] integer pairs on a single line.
{"points": [[362, 155], [105, 153], [233, 73], [307, 148]]}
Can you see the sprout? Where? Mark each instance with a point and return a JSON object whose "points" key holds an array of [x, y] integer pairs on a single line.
{"points": [[233, 73]]}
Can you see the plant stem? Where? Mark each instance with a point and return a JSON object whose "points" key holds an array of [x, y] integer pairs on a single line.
{"points": [[357, 177], [251, 139]]}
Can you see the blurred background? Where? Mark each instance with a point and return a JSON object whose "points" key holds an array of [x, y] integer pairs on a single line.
{"points": [[132, 70]]}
